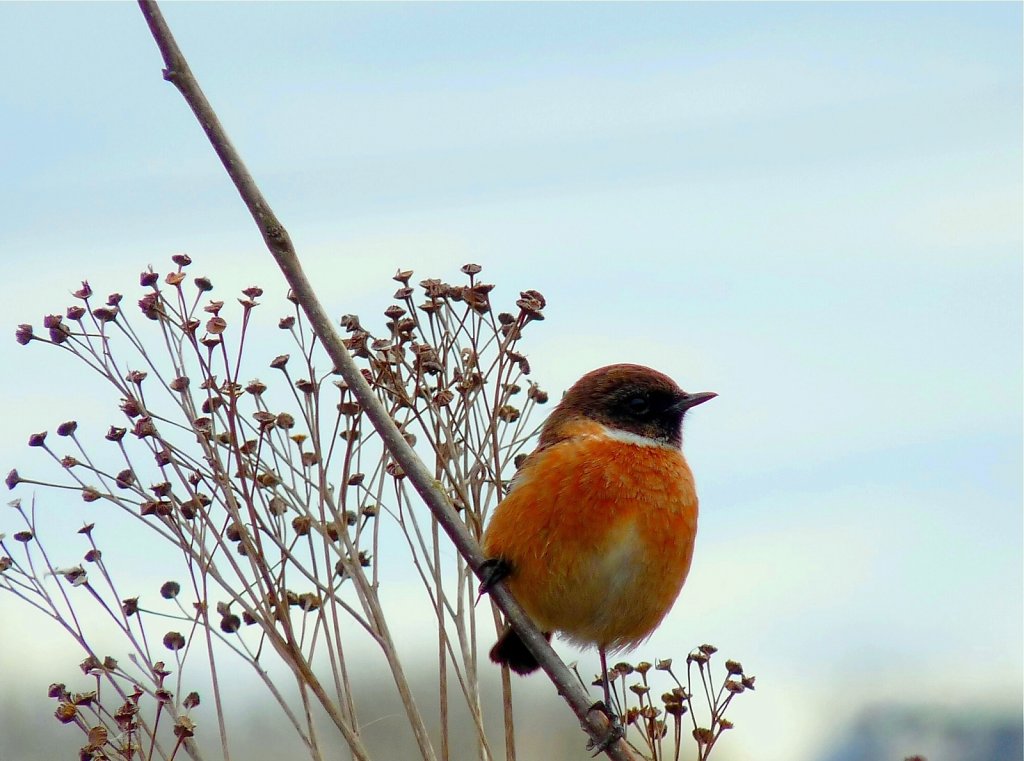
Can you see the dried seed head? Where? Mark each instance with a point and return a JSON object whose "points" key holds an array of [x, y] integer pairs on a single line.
{"points": [[24, 333], [169, 590], [182, 260], [66, 713], [151, 306], [402, 276], [180, 383], [90, 494], [75, 313], [675, 708], [144, 427], [191, 700], [216, 325], [131, 407], [174, 278], [57, 690], [67, 429], [286, 323], [535, 393], [203, 284], [301, 524], [105, 314], [256, 387], [508, 413], [331, 529], [37, 439], [734, 667], [84, 292], [475, 300], [115, 434], [471, 269], [230, 623], [663, 665], [13, 479], [279, 361], [708, 650], [703, 736], [59, 333], [266, 479], [130, 606], [211, 404], [23, 536], [348, 409], [174, 641]]}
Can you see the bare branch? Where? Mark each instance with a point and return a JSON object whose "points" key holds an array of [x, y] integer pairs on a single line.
{"points": [[177, 72]]}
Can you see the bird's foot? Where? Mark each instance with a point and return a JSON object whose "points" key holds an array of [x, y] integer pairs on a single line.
{"points": [[614, 734], [491, 572]]}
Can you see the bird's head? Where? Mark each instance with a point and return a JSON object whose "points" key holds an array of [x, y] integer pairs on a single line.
{"points": [[630, 398]]}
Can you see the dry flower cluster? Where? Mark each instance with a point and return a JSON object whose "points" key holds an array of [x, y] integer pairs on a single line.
{"points": [[279, 503], [660, 720]]}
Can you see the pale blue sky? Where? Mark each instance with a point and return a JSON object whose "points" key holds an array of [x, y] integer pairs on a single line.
{"points": [[813, 209]]}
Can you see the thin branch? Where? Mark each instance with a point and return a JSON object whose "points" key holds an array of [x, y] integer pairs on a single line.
{"points": [[178, 73]]}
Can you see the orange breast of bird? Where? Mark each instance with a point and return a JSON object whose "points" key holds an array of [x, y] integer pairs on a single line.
{"points": [[598, 529]]}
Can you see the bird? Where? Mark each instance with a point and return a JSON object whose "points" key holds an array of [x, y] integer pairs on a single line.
{"points": [[595, 535]]}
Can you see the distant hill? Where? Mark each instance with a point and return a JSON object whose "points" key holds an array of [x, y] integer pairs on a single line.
{"points": [[893, 733]]}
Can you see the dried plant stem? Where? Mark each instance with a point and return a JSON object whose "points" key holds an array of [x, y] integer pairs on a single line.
{"points": [[177, 72]]}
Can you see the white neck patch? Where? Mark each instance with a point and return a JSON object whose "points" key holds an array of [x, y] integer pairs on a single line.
{"points": [[636, 439]]}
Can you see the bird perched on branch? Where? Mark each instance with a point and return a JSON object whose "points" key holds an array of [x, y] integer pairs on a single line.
{"points": [[595, 536]]}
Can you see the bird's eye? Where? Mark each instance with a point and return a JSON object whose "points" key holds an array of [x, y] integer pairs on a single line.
{"points": [[637, 405]]}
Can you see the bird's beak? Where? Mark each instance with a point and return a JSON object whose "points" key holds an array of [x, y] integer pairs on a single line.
{"points": [[692, 400]]}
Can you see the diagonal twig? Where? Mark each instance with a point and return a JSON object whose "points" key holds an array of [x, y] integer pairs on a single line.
{"points": [[178, 73]]}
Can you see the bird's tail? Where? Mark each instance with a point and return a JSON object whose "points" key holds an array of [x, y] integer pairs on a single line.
{"points": [[512, 651]]}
